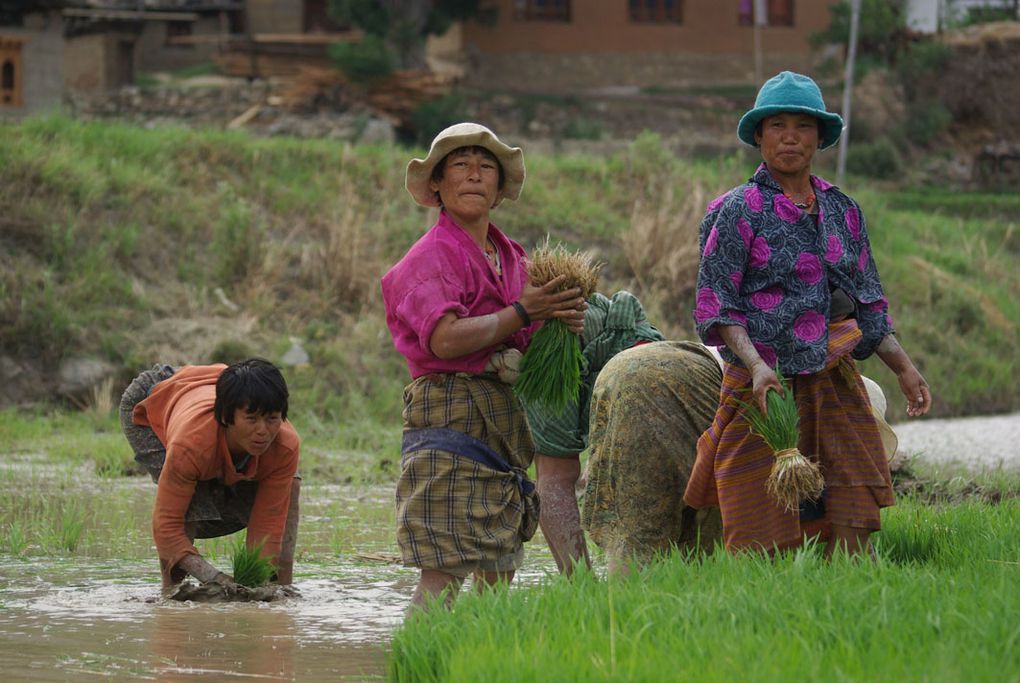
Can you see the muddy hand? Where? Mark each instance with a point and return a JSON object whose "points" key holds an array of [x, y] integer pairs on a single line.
{"points": [[230, 587], [288, 591], [545, 302], [764, 378]]}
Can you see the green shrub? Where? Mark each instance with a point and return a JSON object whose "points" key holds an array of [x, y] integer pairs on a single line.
{"points": [[878, 159], [432, 116], [367, 60], [581, 128], [926, 121]]}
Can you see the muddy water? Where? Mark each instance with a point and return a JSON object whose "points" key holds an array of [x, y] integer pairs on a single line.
{"points": [[94, 613], [63, 620]]}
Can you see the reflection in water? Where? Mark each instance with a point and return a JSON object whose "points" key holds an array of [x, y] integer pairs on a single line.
{"points": [[111, 625], [62, 620], [75, 617]]}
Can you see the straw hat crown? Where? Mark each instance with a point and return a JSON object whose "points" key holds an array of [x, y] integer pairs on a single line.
{"points": [[790, 92], [419, 171]]}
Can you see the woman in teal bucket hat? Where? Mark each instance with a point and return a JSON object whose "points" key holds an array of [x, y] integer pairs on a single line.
{"points": [[787, 280]]}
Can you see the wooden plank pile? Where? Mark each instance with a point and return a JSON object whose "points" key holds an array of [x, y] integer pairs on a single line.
{"points": [[307, 79], [402, 91]]}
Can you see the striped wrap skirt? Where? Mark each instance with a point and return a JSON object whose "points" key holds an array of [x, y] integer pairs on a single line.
{"points": [[454, 513], [837, 430]]}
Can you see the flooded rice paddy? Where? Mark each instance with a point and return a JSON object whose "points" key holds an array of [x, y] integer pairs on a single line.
{"points": [[79, 588]]}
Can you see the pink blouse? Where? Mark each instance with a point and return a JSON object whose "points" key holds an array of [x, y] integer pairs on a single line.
{"points": [[446, 271]]}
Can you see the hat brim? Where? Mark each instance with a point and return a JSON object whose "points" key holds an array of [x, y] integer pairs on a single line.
{"points": [[876, 397], [419, 171], [832, 123]]}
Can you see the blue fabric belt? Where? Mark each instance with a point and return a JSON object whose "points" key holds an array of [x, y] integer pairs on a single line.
{"points": [[458, 443]]}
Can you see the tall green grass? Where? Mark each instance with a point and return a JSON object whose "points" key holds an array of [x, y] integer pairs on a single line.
{"points": [[172, 244], [940, 604]]}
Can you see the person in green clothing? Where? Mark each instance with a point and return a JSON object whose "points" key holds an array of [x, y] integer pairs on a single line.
{"points": [[610, 326]]}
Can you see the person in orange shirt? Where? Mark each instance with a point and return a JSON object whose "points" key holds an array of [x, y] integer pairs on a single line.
{"points": [[217, 442]]}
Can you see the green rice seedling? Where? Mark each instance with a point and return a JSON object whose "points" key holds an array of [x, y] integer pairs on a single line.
{"points": [[72, 523], [946, 615], [550, 371], [17, 542], [793, 478], [250, 568]]}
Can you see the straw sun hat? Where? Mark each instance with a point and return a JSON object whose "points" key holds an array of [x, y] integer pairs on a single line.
{"points": [[790, 92], [419, 171]]}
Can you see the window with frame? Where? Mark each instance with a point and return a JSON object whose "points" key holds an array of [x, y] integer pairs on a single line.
{"points": [[10, 72], [542, 10], [656, 11], [777, 12]]}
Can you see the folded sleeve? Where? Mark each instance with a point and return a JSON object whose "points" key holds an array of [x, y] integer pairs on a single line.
{"points": [[426, 302], [269, 511], [174, 492], [873, 308]]}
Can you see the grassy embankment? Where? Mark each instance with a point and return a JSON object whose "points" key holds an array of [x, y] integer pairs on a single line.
{"points": [[137, 246], [938, 605]]}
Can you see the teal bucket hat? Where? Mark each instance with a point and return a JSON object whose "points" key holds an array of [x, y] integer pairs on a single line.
{"points": [[790, 92]]}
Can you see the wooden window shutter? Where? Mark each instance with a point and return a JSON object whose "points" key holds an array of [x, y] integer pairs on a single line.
{"points": [[10, 72]]}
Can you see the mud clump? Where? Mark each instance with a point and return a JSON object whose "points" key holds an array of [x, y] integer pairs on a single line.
{"points": [[215, 593]]}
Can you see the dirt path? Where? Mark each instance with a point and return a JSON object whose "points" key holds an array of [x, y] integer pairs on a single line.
{"points": [[977, 442]]}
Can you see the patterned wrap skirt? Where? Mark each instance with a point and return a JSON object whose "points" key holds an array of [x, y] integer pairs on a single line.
{"points": [[454, 513], [837, 430], [650, 405]]}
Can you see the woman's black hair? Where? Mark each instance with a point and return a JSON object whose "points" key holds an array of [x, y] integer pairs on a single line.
{"points": [[255, 385], [440, 167]]}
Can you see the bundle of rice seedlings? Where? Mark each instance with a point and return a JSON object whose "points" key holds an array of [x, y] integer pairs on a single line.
{"points": [[550, 371], [793, 478], [250, 568]]}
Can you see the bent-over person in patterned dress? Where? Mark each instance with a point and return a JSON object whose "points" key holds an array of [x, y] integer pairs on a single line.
{"points": [[649, 406], [461, 311]]}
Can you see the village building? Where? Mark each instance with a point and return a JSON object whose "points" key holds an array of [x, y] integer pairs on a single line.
{"points": [[554, 45]]}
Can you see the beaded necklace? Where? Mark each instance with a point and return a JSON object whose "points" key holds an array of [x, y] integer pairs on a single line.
{"points": [[806, 204]]}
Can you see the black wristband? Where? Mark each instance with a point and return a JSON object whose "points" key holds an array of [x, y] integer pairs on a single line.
{"points": [[525, 318]]}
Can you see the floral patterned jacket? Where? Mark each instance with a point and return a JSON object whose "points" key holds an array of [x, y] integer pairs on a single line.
{"points": [[769, 267]]}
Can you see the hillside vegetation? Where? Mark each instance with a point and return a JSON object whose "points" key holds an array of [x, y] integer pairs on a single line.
{"points": [[137, 246]]}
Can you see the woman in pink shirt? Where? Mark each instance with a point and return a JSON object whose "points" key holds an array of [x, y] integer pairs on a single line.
{"points": [[461, 312]]}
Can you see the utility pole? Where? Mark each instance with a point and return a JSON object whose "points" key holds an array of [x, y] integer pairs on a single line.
{"points": [[848, 88], [760, 18]]}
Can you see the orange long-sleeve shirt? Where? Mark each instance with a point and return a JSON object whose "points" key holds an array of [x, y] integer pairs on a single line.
{"points": [[179, 410]]}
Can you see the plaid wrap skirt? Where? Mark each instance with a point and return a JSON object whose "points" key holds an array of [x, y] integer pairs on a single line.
{"points": [[837, 430], [455, 514]]}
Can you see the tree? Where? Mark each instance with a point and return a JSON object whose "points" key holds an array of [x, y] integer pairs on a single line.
{"points": [[882, 23], [400, 27]]}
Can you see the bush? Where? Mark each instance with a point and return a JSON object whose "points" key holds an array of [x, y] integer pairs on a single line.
{"points": [[878, 159], [925, 121], [430, 117], [580, 128], [921, 66], [364, 61]]}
